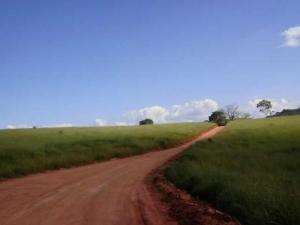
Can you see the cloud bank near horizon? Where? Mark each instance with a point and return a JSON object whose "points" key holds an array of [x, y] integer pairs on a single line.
{"points": [[26, 126], [190, 111], [197, 111]]}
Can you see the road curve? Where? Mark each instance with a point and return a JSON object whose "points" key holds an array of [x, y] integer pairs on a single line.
{"points": [[108, 193]]}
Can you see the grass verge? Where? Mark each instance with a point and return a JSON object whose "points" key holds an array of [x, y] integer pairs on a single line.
{"points": [[27, 151], [250, 170]]}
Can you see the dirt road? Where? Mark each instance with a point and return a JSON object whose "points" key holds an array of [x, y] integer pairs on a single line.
{"points": [[112, 192]]}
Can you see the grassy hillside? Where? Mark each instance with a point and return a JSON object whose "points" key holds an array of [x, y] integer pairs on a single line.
{"points": [[34, 150], [251, 170]]}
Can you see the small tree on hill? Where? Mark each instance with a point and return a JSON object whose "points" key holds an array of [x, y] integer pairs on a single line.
{"points": [[216, 115], [265, 107], [146, 121]]}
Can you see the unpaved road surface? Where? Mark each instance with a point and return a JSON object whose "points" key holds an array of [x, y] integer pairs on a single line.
{"points": [[112, 192]]}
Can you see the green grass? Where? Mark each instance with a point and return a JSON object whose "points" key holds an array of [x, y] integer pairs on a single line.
{"points": [[251, 170], [34, 150]]}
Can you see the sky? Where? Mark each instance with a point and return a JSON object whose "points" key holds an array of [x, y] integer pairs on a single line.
{"points": [[106, 62]]}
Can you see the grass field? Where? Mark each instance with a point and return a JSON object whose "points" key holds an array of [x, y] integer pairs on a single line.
{"points": [[251, 170], [34, 150]]}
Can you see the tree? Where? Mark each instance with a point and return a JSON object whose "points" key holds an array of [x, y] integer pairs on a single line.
{"points": [[265, 107], [216, 115], [232, 112], [146, 121]]}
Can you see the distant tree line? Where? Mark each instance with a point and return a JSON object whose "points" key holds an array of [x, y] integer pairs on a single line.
{"points": [[288, 112]]}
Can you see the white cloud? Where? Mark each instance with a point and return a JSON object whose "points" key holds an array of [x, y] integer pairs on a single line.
{"points": [[121, 124], [101, 122], [193, 110], [291, 37], [18, 126], [277, 105], [24, 126], [59, 125], [156, 113], [281, 104], [197, 110]]}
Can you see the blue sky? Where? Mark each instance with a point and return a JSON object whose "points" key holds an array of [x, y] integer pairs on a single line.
{"points": [[78, 61]]}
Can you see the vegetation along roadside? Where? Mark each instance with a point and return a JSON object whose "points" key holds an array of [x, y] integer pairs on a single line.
{"points": [[27, 151], [250, 170]]}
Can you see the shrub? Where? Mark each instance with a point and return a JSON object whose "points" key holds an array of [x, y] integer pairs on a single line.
{"points": [[216, 115], [146, 121]]}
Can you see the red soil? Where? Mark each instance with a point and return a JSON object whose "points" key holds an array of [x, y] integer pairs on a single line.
{"points": [[112, 192]]}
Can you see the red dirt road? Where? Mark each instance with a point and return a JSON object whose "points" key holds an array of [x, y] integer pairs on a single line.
{"points": [[108, 193]]}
